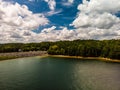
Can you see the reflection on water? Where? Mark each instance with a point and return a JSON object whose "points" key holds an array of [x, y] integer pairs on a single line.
{"points": [[58, 74], [97, 76]]}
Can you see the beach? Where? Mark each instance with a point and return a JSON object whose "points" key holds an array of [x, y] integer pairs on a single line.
{"points": [[89, 58]]}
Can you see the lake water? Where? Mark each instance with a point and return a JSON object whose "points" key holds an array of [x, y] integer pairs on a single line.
{"points": [[50, 73]]}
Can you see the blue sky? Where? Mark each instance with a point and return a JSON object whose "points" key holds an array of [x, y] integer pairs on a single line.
{"points": [[66, 15], [53, 20]]}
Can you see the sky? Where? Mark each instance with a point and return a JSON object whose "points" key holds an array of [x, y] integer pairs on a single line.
{"points": [[28, 21]]}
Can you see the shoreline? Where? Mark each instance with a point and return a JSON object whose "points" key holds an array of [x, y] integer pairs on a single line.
{"points": [[79, 57], [14, 55]]}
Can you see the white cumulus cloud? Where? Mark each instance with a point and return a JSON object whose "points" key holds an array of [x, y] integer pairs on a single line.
{"points": [[15, 18], [52, 34], [68, 2], [95, 20], [98, 14], [51, 3]]}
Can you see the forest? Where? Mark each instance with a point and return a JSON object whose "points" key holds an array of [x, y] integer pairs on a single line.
{"points": [[84, 48]]}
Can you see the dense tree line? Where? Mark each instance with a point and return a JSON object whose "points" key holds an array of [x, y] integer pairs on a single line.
{"points": [[20, 47], [85, 48]]}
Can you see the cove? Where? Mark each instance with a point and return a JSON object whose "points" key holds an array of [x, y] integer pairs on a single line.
{"points": [[58, 73]]}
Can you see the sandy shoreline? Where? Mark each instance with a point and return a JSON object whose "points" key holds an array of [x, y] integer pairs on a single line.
{"points": [[13, 55], [79, 57]]}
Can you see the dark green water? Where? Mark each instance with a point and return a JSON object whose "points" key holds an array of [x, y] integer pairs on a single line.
{"points": [[58, 74]]}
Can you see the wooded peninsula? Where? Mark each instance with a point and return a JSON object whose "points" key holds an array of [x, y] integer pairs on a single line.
{"points": [[85, 48]]}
